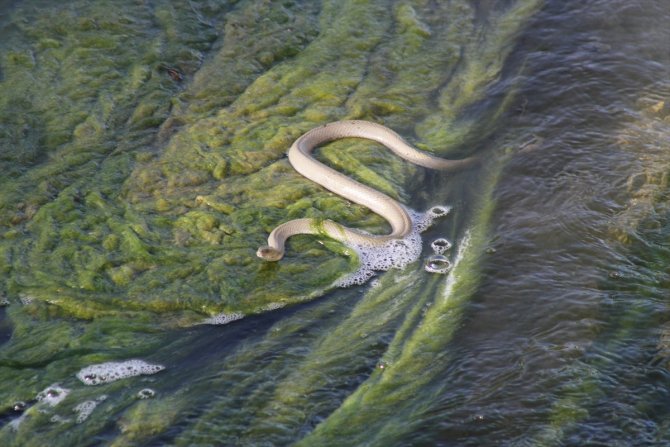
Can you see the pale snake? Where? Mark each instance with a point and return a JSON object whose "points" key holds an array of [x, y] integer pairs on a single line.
{"points": [[300, 157]]}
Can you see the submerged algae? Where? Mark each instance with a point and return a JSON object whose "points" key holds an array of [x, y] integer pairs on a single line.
{"points": [[69, 223], [145, 212], [158, 178]]}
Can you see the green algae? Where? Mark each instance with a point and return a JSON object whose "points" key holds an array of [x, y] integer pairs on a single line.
{"points": [[62, 229], [139, 192], [199, 185], [386, 405]]}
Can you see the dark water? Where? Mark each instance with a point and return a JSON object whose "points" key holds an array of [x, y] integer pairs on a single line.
{"points": [[566, 341], [560, 334]]}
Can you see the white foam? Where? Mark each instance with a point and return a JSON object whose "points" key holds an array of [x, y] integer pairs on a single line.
{"points": [[396, 253], [440, 245], [26, 299], [85, 408], [146, 393], [53, 395], [113, 371], [223, 318], [451, 279]]}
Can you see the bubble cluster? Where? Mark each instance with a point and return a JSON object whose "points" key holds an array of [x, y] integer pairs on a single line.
{"points": [[273, 306], [113, 371], [52, 395], [26, 299], [440, 245], [223, 318], [396, 253], [85, 408], [423, 221]]}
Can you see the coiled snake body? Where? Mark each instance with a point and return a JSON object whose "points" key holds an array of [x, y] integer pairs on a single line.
{"points": [[300, 157]]}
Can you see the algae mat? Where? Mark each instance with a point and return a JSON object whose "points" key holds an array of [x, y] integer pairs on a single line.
{"points": [[142, 150]]}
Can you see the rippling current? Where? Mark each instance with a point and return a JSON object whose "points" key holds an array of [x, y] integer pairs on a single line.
{"points": [[566, 342], [553, 326]]}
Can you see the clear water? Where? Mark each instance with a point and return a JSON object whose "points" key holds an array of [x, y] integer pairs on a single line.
{"points": [[551, 328]]}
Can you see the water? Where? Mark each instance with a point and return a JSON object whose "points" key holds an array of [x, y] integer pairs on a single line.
{"points": [[551, 328]]}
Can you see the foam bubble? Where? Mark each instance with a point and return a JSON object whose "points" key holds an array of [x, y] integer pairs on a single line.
{"points": [[146, 393], [113, 371], [396, 253], [26, 299], [440, 245], [53, 395], [223, 318], [85, 408], [462, 247], [273, 306], [437, 264]]}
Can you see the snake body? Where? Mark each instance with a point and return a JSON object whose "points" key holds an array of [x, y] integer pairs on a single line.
{"points": [[300, 157]]}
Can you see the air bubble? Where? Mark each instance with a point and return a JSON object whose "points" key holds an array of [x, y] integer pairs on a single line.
{"points": [[438, 211], [146, 393], [440, 245], [437, 264]]}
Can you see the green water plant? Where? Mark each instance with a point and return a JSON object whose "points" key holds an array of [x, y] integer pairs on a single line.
{"points": [[146, 165]]}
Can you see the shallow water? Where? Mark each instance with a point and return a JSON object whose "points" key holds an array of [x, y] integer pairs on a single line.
{"points": [[551, 328]]}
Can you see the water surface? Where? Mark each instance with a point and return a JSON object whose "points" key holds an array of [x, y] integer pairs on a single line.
{"points": [[142, 160]]}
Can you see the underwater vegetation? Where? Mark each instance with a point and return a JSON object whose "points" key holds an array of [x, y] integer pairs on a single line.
{"points": [[142, 151], [139, 144]]}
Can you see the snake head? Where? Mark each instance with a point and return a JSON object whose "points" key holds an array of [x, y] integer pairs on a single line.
{"points": [[268, 253]]}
